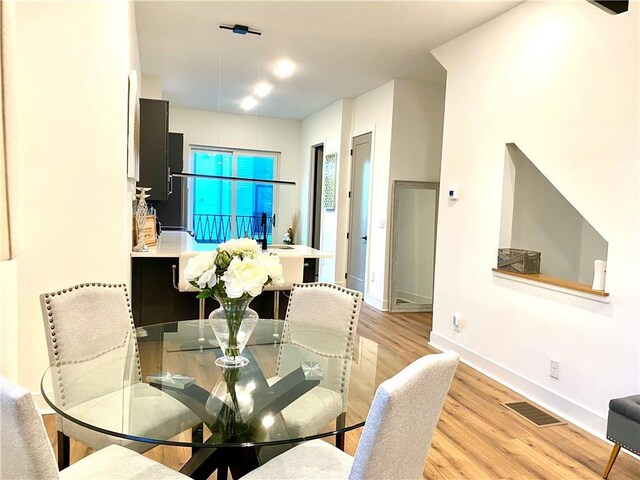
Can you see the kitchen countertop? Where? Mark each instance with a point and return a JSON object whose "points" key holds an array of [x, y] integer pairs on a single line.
{"points": [[172, 244]]}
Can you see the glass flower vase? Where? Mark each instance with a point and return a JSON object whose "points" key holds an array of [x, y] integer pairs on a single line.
{"points": [[232, 325]]}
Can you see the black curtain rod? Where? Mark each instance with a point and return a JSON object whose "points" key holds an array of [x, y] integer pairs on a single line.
{"points": [[233, 179]]}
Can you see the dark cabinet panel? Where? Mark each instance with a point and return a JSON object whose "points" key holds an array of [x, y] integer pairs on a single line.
{"points": [[310, 272], [170, 212], [155, 300], [154, 135]]}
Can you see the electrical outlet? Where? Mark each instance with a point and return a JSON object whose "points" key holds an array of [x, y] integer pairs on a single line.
{"points": [[456, 322], [554, 369]]}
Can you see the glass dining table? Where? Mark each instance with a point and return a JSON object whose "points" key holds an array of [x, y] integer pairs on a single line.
{"points": [[301, 383]]}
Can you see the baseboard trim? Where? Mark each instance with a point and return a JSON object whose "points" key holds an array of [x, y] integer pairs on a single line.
{"points": [[414, 298], [376, 303], [571, 411], [41, 404]]}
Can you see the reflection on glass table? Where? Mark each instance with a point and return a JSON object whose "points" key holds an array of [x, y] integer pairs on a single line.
{"points": [[241, 412]]}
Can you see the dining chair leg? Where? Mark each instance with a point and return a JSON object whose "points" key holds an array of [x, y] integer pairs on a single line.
{"points": [[242, 460], [197, 436], [340, 423], [221, 472], [276, 304], [612, 459], [63, 450]]}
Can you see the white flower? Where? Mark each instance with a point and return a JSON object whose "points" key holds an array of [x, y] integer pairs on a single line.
{"points": [[240, 246], [244, 276], [207, 279], [198, 265], [271, 263]]}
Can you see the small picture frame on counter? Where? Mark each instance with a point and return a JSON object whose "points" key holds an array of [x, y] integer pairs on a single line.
{"points": [[150, 233]]}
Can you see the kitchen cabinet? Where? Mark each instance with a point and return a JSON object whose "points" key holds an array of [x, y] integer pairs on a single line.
{"points": [[170, 213], [154, 147], [154, 299]]}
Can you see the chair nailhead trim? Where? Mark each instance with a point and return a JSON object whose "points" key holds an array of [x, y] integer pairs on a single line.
{"points": [[623, 445], [56, 353], [349, 341]]}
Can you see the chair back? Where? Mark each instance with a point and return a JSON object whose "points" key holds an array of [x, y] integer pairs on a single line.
{"points": [[320, 326], [91, 340], [183, 285], [26, 451], [402, 420], [292, 272]]}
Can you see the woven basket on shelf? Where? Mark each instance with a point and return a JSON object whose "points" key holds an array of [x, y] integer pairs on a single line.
{"points": [[518, 261]]}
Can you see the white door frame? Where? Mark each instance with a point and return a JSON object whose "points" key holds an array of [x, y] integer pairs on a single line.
{"points": [[354, 134]]}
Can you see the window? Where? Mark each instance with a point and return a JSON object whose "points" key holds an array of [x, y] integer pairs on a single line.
{"points": [[225, 209]]}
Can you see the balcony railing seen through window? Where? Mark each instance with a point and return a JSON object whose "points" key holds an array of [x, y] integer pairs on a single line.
{"points": [[217, 228], [224, 209]]}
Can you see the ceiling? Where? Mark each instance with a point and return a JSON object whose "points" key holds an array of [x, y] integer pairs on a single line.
{"points": [[341, 49]]}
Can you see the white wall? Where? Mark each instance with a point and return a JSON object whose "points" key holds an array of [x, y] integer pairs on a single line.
{"points": [[373, 112], [326, 127], [405, 119], [72, 71], [416, 150], [9, 320], [202, 127], [564, 88], [151, 87], [418, 111]]}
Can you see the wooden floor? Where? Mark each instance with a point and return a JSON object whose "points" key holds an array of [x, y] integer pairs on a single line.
{"points": [[476, 437]]}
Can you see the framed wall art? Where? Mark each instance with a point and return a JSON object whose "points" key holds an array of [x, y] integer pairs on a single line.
{"points": [[329, 193], [133, 128]]}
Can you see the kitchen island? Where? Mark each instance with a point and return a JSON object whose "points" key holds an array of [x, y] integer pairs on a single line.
{"points": [[155, 298]]}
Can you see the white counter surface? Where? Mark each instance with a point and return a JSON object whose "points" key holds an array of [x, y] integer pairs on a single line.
{"points": [[172, 244]]}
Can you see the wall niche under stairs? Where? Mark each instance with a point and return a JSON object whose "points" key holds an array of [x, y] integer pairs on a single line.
{"points": [[536, 216]]}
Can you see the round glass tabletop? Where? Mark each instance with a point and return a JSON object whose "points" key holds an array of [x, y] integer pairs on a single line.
{"points": [[160, 384]]}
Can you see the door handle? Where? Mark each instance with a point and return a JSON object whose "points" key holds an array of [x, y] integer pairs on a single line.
{"points": [[364, 238]]}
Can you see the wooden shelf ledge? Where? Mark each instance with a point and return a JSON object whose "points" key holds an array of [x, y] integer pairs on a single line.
{"points": [[556, 282]]}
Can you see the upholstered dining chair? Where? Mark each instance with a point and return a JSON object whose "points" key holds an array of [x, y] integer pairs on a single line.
{"points": [[292, 273], [26, 452], [396, 437], [182, 285], [320, 325], [96, 369]]}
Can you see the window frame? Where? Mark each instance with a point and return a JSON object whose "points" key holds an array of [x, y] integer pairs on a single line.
{"points": [[235, 153]]}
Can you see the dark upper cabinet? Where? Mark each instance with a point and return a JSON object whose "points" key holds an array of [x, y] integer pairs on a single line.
{"points": [[170, 213], [154, 147]]}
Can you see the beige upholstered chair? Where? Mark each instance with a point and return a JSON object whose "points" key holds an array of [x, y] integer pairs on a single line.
{"points": [[292, 273], [96, 371], [395, 440], [320, 325], [26, 453]]}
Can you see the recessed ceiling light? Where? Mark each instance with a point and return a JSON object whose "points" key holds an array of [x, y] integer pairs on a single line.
{"points": [[262, 89], [283, 68], [248, 103]]}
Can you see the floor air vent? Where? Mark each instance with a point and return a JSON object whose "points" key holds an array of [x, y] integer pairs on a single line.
{"points": [[533, 414]]}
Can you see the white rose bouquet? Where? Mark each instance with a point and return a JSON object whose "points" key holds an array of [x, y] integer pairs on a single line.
{"points": [[234, 273], [236, 269]]}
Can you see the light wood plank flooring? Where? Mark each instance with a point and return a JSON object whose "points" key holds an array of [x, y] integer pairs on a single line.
{"points": [[476, 437]]}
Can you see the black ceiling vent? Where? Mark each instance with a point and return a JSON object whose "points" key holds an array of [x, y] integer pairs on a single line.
{"points": [[240, 29], [612, 6]]}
